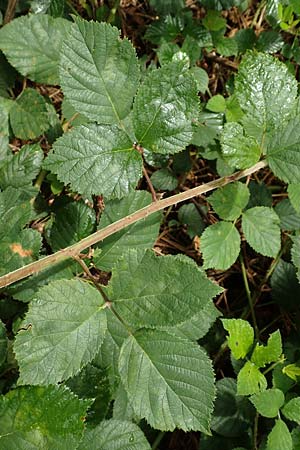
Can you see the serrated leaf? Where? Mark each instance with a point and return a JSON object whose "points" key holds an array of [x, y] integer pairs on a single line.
{"points": [[32, 44], [238, 149], [260, 195], [96, 159], [266, 90], [229, 201], [285, 285], [280, 380], [269, 42], [295, 253], [216, 104], [140, 235], [289, 218], [271, 352], [294, 195], [250, 380], [226, 46], [61, 332], [189, 215], [99, 71], [72, 223], [122, 409], [261, 229], [291, 410], [36, 417], [268, 403], [22, 168], [28, 115], [201, 78], [163, 110], [280, 437], [241, 336], [169, 381], [220, 245], [114, 435], [146, 290], [164, 180]]}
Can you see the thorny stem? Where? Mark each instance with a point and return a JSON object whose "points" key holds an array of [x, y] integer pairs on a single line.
{"points": [[76, 249], [249, 296]]}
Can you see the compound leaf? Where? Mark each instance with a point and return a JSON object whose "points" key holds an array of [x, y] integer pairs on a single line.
{"points": [[265, 354], [99, 71], [250, 380], [280, 438], [268, 403], [262, 231], [241, 336], [169, 381], [62, 332], [229, 201], [32, 44], [96, 159], [163, 110]]}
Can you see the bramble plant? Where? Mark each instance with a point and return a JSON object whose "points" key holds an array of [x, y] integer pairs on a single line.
{"points": [[104, 338]]}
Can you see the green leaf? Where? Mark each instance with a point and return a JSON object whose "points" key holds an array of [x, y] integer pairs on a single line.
{"points": [[241, 336], [164, 180], [260, 195], [37, 417], [292, 371], [289, 219], [114, 435], [261, 229], [3, 343], [269, 42], [291, 410], [22, 168], [163, 110], [229, 201], [96, 159], [226, 46], [220, 245], [169, 381], [296, 438], [266, 102], [263, 355], [216, 104], [268, 403], [72, 223], [122, 409], [15, 212], [189, 215], [70, 114], [146, 291], [295, 253], [285, 285], [283, 151], [294, 195], [238, 149], [280, 437], [99, 71], [32, 44], [201, 78], [28, 115], [213, 21], [250, 380], [61, 332], [141, 234]]}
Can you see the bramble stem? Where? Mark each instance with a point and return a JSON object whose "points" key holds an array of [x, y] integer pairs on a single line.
{"points": [[76, 249]]}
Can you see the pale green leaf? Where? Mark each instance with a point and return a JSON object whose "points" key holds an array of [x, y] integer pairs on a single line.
{"points": [[216, 104], [32, 44], [291, 410], [163, 110], [292, 371], [238, 149], [229, 201], [220, 245], [294, 195], [146, 290], [280, 438], [28, 115], [141, 234], [38, 417], [262, 231], [265, 354], [241, 336], [268, 403], [96, 159], [99, 71], [114, 435], [62, 332], [169, 381], [250, 380]]}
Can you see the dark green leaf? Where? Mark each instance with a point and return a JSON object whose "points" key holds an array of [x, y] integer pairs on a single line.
{"points": [[189, 215], [289, 218]]}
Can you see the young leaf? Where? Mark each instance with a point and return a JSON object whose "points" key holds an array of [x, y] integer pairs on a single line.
{"points": [[220, 245], [280, 437], [28, 115], [263, 355], [229, 201], [32, 44], [62, 332], [292, 371], [96, 159], [36, 417], [140, 235], [163, 110], [291, 410], [114, 435], [146, 291], [241, 336], [216, 104], [261, 229], [250, 380], [268, 403], [99, 72], [169, 381]]}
